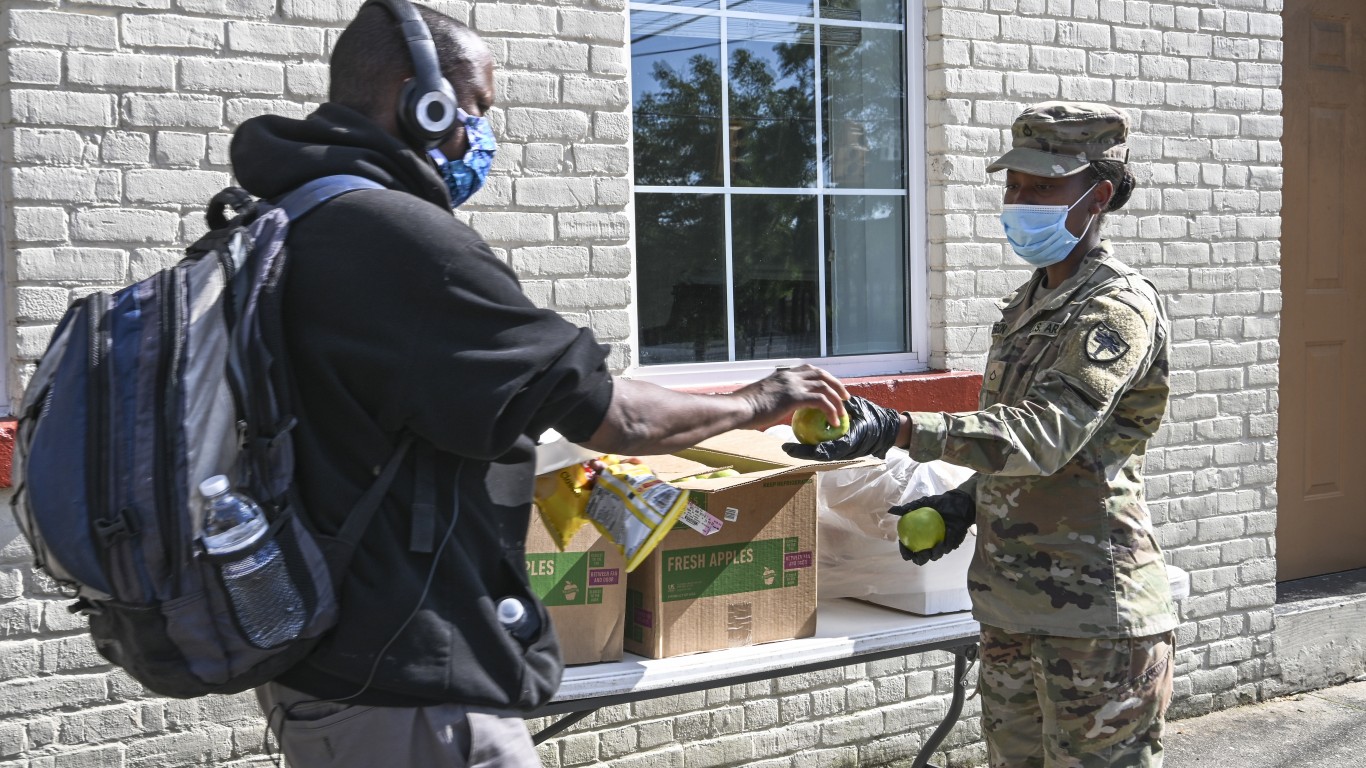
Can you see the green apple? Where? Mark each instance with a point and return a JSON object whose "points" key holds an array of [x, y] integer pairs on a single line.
{"points": [[811, 427], [921, 528], [724, 473]]}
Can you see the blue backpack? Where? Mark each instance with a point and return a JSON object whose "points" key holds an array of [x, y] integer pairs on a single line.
{"points": [[140, 396]]}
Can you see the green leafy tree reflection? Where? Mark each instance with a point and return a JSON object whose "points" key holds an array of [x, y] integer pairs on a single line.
{"points": [[681, 236]]}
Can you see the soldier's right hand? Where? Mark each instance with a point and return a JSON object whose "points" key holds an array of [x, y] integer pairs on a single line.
{"points": [[959, 511], [872, 431]]}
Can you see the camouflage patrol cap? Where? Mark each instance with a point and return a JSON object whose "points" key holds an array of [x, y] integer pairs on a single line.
{"points": [[1060, 138]]}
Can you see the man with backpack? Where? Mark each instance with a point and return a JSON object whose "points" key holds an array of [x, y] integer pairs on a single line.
{"points": [[401, 324]]}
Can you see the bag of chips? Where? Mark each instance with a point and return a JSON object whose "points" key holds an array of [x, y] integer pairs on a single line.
{"points": [[634, 508], [562, 496]]}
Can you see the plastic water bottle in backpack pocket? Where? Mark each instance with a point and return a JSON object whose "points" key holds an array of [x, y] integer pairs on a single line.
{"points": [[264, 598]]}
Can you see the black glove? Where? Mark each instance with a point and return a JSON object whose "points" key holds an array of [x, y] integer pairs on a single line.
{"points": [[872, 430], [958, 510]]}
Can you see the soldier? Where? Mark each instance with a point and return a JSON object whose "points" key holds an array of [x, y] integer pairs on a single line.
{"points": [[1067, 579]]}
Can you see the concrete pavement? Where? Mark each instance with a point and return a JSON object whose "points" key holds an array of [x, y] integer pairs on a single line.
{"points": [[1322, 729]]}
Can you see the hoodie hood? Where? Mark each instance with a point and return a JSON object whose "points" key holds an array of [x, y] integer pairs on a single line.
{"points": [[272, 155]]}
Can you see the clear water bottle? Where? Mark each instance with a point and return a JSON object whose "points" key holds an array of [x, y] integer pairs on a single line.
{"points": [[517, 620], [264, 598]]}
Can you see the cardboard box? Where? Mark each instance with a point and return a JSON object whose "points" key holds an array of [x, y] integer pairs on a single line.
{"points": [[751, 581], [583, 588]]}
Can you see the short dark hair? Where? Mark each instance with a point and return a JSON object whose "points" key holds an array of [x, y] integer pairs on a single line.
{"points": [[371, 52], [1117, 173]]}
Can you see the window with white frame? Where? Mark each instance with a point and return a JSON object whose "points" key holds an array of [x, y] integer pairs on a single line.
{"points": [[772, 149]]}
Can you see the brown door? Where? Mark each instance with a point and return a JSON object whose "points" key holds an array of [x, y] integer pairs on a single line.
{"points": [[1321, 521]]}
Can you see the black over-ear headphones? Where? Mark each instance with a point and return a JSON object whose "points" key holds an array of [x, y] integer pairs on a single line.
{"points": [[427, 107]]}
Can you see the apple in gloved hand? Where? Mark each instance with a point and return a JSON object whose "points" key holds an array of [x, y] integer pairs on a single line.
{"points": [[868, 429], [811, 426], [920, 529]]}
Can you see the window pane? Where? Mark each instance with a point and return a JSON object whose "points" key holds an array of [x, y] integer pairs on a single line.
{"points": [[676, 98], [866, 247], [886, 11], [772, 104], [864, 104], [776, 7], [788, 283], [680, 260], [776, 285]]}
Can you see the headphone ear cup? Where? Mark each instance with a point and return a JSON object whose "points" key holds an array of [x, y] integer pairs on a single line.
{"points": [[438, 112], [427, 117]]}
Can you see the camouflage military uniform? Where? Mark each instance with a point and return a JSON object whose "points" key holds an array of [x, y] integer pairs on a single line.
{"points": [[1074, 387], [1098, 703], [1067, 581]]}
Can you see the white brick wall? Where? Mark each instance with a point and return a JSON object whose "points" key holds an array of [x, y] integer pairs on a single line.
{"points": [[564, 98], [119, 113], [115, 117]]}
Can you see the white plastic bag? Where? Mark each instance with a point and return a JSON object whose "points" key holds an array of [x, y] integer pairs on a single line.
{"points": [[858, 555]]}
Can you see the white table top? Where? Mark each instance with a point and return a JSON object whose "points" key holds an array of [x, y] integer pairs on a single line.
{"points": [[847, 631]]}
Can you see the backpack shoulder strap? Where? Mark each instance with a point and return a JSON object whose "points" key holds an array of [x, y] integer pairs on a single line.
{"points": [[297, 204], [305, 198], [360, 515]]}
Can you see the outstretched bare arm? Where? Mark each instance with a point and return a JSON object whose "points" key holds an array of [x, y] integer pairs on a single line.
{"points": [[645, 418]]}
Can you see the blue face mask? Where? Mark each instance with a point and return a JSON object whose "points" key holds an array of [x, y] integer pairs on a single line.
{"points": [[465, 176], [1038, 233]]}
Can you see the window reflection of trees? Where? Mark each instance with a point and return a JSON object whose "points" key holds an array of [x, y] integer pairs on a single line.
{"points": [[772, 135], [773, 108], [677, 126]]}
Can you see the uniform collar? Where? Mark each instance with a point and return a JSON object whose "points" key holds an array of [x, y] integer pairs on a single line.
{"points": [[1015, 310]]}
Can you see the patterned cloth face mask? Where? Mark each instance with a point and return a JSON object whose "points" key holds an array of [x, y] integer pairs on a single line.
{"points": [[1038, 233], [465, 176]]}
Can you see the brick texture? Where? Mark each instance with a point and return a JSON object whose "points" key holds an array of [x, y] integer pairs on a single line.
{"points": [[136, 99]]}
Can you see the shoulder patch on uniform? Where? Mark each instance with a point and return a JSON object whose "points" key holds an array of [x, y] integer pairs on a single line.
{"points": [[1104, 344], [999, 327]]}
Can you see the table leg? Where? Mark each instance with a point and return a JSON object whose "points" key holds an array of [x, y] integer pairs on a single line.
{"points": [[561, 724], [962, 657]]}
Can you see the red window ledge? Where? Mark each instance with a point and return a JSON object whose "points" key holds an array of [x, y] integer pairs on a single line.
{"points": [[945, 391], [949, 391], [8, 429]]}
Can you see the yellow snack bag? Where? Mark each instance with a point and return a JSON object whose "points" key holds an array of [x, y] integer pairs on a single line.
{"points": [[562, 496], [634, 508]]}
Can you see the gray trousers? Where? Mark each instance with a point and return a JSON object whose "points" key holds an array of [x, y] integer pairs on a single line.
{"points": [[316, 734]]}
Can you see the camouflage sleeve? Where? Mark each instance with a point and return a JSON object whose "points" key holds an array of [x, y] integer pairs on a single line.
{"points": [[1101, 352], [969, 486]]}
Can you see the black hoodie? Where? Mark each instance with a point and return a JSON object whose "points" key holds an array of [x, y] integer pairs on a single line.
{"points": [[399, 318]]}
